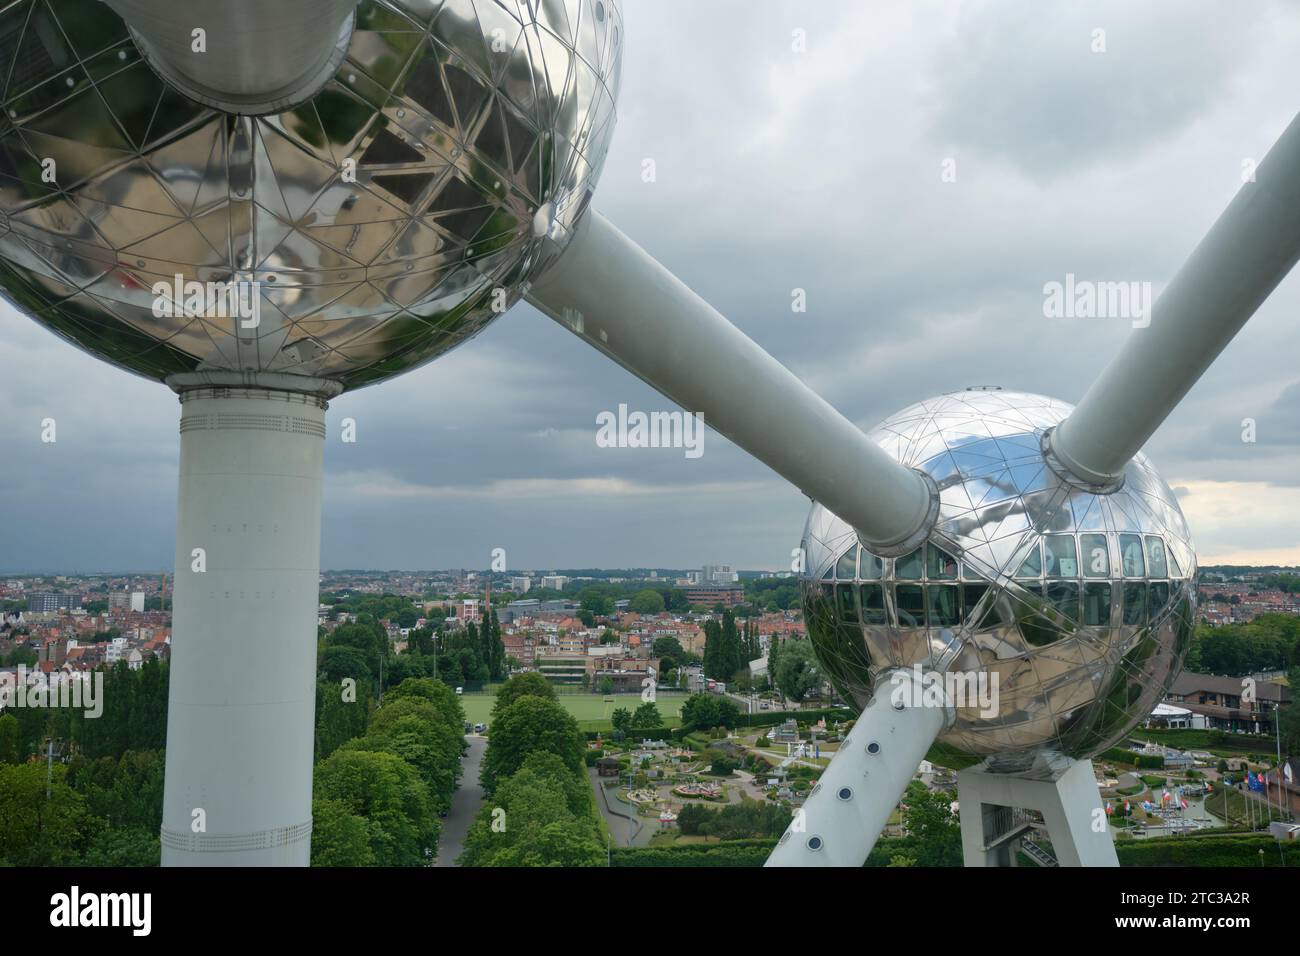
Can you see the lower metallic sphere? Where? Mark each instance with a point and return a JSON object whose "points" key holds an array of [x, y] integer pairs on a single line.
{"points": [[381, 222], [1075, 610]]}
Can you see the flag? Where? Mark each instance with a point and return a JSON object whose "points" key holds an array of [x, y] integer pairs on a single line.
{"points": [[1127, 807]]}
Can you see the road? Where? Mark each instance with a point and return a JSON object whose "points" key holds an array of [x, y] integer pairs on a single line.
{"points": [[465, 803]]}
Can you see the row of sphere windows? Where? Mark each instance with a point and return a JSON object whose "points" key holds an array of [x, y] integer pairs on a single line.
{"points": [[949, 605], [1085, 555]]}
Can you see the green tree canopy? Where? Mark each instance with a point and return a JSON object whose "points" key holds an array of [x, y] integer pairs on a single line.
{"points": [[530, 724]]}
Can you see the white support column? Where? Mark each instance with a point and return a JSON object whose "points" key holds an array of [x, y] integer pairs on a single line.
{"points": [[618, 299], [241, 711], [1067, 797], [843, 816]]}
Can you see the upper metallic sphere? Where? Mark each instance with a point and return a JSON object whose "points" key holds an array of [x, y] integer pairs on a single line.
{"points": [[1082, 605], [379, 224]]}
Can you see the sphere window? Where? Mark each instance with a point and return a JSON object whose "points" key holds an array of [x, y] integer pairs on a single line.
{"points": [[846, 568], [910, 599], [1095, 552], [1156, 567], [847, 608], [909, 567], [940, 565], [1135, 603], [1159, 597], [1061, 559], [971, 595], [1064, 596], [945, 605], [873, 568], [1033, 564], [1130, 549], [1096, 604], [873, 604]]}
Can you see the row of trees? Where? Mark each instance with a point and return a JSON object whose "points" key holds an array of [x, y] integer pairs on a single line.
{"points": [[102, 804], [540, 809], [737, 821], [1270, 642], [727, 649], [377, 796]]}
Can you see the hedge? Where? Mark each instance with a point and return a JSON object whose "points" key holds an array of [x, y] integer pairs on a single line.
{"points": [[751, 853], [1207, 851]]}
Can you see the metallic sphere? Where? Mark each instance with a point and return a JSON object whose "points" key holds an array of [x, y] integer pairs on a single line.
{"points": [[378, 224], [1081, 604]]}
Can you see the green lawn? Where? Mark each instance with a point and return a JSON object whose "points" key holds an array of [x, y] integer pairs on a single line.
{"points": [[591, 710]]}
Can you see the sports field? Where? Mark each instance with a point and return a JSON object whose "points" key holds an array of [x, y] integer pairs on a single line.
{"points": [[591, 710]]}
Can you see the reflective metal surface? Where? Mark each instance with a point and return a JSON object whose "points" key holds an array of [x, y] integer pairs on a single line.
{"points": [[1082, 605], [473, 128]]}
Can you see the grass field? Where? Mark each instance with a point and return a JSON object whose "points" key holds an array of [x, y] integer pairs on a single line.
{"points": [[591, 710]]}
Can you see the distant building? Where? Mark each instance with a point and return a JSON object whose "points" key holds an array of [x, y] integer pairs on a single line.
{"points": [[718, 574], [45, 602], [1229, 703], [554, 581], [521, 585], [563, 669], [728, 595]]}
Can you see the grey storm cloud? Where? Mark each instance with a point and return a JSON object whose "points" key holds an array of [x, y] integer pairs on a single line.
{"points": [[775, 171]]}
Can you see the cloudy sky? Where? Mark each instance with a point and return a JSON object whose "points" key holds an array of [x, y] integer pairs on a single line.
{"points": [[778, 170]]}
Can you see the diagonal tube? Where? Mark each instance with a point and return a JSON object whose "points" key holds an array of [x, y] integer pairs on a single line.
{"points": [[617, 298], [842, 818], [1243, 257]]}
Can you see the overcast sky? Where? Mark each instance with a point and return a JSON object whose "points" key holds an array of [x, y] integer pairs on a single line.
{"points": [[778, 170]]}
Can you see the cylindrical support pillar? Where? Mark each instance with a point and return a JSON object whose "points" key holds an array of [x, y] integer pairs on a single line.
{"points": [[241, 710], [843, 816], [242, 56], [615, 296]]}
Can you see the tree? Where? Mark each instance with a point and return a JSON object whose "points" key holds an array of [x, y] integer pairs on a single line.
{"points": [[605, 686], [530, 724], [1289, 716], [385, 791], [542, 815], [35, 831], [670, 652], [705, 711], [621, 719], [340, 715], [530, 684], [714, 654], [647, 715], [338, 836], [928, 817], [798, 672], [647, 601], [10, 751], [442, 697], [432, 748]]}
